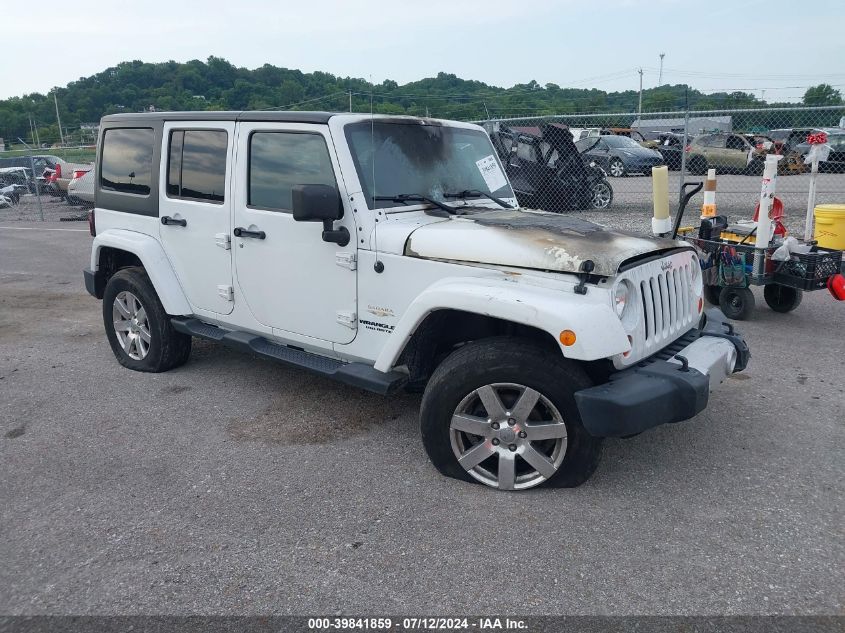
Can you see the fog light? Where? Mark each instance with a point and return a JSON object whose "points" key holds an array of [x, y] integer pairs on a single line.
{"points": [[567, 338]]}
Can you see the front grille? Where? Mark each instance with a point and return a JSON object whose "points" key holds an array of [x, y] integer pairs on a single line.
{"points": [[667, 303]]}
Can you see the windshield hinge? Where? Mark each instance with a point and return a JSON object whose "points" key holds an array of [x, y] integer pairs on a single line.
{"points": [[346, 260]]}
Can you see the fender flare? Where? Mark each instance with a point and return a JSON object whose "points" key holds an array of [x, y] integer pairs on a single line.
{"points": [[599, 333], [154, 259]]}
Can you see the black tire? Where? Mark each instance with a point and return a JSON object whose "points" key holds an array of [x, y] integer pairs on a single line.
{"points": [[620, 168], [698, 165], [167, 347], [508, 360], [782, 298], [736, 303], [711, 294]]}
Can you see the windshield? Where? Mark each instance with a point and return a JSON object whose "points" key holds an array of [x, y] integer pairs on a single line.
{"points": [[423, 159], [620, 141], [836, 142]]}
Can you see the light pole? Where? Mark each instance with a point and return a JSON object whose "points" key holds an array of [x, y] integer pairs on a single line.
{"points": [[58, 118], [660, 74], [640, 106]]}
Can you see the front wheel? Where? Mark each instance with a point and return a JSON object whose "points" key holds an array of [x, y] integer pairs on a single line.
{"points": [[137, 326], [601, 195], [782, 298], [736, 303], [616, 168], [502, 412]]}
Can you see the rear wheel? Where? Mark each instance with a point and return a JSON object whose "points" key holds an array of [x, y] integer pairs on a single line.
{"points": [[502, 412], [602, 195], [616, 168], [698, 165], [137, 326], [782, 298], [736, 303]]}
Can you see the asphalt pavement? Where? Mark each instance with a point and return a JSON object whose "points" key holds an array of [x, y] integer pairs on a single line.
{"points": [[235, 486]]}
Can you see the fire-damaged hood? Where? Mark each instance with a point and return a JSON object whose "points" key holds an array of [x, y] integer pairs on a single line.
{"points": [[531, 239]]}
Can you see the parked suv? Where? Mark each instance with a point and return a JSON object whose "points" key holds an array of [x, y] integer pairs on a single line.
{"points": [[727, 153], [387, 253]]}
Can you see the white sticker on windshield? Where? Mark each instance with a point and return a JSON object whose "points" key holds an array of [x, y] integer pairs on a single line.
{"points": [[491, 172]]}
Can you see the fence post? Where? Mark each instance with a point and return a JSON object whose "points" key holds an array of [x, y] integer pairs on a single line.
{"points": [[683, 156], [34, 179]]}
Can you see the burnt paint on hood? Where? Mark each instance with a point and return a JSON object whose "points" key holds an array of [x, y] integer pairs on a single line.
{"points": [[532, 239]]}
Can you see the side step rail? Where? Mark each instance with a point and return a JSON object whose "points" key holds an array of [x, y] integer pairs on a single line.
{"points": [[355, 374]]}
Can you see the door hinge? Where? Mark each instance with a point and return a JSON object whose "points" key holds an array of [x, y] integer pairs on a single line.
{"points": [[223, 240], [347, 260], [347, 318], [226, 292]]}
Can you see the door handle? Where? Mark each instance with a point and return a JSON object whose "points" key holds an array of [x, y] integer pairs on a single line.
{"points": [[168, 221], [242, 232]]}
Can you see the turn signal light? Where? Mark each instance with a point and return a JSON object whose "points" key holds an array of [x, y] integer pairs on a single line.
{"points": [[567, 338], [836, 285]]}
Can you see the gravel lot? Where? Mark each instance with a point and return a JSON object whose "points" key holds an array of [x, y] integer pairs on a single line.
{"points": [[235, 486]]}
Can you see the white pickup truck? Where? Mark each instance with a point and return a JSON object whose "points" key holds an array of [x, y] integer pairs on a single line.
{"points": [[388, 253]]}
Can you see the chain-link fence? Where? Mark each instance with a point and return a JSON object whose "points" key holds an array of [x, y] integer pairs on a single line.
{"points": [[600, 162], [46, 182], [604, 161]]}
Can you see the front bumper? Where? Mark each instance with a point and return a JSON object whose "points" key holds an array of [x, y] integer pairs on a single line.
{"points": [[665, 389]]}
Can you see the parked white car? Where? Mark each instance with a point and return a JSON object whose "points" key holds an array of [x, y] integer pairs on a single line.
{"points": [[387, 253], [81, 190]]}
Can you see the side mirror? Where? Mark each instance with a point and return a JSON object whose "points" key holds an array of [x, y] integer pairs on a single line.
{"points": [[316, 203], [320, 203]]}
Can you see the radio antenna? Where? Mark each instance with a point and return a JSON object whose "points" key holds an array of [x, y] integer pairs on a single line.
{"points": [[378, 266]]}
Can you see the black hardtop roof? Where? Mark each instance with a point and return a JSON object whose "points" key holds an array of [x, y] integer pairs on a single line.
{"points": [[216, 115]]}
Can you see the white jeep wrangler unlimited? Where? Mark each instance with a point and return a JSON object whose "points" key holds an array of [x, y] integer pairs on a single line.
{"points": [[387, 253]]}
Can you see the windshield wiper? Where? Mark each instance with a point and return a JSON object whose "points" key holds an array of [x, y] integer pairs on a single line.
{"points": [[477, 193], [405, 198]]}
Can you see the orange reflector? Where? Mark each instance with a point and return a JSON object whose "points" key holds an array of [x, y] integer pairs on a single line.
{"points": [[700, 304], [567, 337], [631, 343]]}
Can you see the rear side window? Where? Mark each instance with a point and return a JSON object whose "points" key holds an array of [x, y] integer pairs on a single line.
{"points": [[280, 160], [196, 167], [127, 162]]}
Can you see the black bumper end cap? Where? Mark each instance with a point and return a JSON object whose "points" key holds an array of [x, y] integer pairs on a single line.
{"points": [[641, 398], [715, 323], [95, 282]]}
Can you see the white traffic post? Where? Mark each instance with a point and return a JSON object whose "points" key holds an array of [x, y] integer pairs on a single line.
{"points": [[819, 150], [708, 206], [661, 224], [764, 220]]}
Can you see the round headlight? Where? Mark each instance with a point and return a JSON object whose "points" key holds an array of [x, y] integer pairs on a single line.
{"points": [[621, 294]]}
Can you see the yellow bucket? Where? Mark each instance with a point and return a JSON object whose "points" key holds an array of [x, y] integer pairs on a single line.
{"points": [[830, 226]]}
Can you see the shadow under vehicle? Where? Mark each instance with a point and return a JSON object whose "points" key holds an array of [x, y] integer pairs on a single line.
{"points": [[548, 172]]}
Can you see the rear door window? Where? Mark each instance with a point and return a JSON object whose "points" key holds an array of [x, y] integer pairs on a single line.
{"points": [[197, 165], [127, 161]]}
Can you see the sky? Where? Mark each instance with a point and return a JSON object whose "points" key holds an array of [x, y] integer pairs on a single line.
{"points": [[773, 48]]}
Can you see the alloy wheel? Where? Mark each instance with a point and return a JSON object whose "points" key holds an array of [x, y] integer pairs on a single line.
{"points": [[601, 195], [131, 325], [508, 436]]}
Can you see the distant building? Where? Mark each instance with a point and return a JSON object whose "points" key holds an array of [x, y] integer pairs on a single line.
{"points": [[697, 125]]}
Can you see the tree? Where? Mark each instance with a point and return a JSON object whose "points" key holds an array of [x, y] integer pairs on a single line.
{"points": [[822, 95]]}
